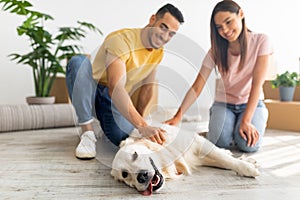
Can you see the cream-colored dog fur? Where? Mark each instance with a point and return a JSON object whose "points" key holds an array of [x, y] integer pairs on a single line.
{"points": [[145, 165]]}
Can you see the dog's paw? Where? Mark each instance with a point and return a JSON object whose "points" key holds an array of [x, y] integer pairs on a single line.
{"points": [[248, 170], [248, 167], [250, 160]]}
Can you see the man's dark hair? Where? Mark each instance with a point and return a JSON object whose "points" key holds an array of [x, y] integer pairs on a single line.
{"points": [[172, 10]]}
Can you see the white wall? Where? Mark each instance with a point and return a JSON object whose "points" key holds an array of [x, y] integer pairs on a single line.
{"points": [[279, 20]]}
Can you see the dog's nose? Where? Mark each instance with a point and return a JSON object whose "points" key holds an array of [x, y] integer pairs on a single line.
{"points": [[143, 176]]}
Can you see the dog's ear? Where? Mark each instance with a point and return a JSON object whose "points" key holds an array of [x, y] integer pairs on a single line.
{"points": [[182, 167], [134, 156], [114, 173]]}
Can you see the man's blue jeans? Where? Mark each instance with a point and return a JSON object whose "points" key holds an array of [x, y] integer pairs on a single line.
{"points": [[224, 124], [90, 98]]}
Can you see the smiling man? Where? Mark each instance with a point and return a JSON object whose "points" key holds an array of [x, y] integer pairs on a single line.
{"points": [[126, 61]]}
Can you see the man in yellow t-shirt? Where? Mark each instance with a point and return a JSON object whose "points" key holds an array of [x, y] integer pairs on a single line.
{"points": [[126, 60]]}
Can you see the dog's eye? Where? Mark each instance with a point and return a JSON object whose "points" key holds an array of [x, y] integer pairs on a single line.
{"points": [[124, 174]]}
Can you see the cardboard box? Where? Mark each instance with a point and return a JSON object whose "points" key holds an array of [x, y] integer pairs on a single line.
{"points": [[273, 93], [282, 115], [60, 91]]}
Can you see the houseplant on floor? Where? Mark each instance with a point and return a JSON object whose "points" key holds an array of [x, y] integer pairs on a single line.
{"points": [[47, 50], [286, 82]]}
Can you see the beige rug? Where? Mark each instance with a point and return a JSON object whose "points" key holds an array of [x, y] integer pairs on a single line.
{"points": [[26, 117]]}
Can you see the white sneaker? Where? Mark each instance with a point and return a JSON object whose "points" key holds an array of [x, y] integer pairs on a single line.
{"points": [[86, 149]]}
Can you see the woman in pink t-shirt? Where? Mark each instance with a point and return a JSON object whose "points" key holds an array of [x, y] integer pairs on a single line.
{"points": [[238, 116]]}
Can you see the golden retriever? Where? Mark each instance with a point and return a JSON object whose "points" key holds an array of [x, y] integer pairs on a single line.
{"points": [[146, 165]]}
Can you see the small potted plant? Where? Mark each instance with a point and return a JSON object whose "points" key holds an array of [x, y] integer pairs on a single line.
{"points": [[286, 82], [47, 50]]}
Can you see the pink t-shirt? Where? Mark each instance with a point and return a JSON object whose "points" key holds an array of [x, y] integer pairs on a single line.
{"points": [[236, 85]]}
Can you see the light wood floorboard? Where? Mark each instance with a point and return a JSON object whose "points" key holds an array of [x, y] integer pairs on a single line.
{"points": [[41, 164]]}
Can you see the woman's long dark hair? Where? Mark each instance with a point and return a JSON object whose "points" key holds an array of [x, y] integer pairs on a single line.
{"points": [[219, 45]]}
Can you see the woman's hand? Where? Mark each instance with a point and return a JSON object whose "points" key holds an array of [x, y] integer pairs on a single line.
{"points": [[173, 121], [249, 133], [154, 134]]}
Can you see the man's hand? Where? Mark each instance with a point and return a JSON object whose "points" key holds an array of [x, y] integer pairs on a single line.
{"points": [[154, 134]]}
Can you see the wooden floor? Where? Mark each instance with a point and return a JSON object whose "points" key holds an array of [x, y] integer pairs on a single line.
{"points": [[41, 165]]}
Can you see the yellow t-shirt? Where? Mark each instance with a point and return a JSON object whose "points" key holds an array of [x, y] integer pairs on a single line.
{"points": [[126, 44]]}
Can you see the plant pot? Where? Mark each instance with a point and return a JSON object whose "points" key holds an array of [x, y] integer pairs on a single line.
{"points": [[40, 100], [286, 93]]}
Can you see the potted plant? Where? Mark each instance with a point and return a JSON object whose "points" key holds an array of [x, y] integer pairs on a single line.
{"points": [[47, 50], [286, 82]]}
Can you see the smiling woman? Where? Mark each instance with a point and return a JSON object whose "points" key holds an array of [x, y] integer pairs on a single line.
{"points": [[241, 58]]}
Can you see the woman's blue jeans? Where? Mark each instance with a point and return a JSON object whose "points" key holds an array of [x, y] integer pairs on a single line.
{"points": [[224, 124], [90, 99]]}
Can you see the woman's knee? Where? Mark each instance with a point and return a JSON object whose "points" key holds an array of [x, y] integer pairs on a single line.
{"points": [[221, 126], [220, 137], [242, 146]]}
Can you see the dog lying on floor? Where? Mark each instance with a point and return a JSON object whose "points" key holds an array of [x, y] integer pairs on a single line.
{"points": [[146, 165]]}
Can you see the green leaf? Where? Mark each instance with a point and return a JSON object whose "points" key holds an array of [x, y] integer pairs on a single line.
{"points": [[90, 26], [16, 6], [47, 50], [287, 79]]}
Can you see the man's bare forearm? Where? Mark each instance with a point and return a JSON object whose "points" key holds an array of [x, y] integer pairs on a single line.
{"points": [[124, 104], [144, 97]]}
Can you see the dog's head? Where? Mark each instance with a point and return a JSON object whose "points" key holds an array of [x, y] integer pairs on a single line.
{"points": [[133, 164]]}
